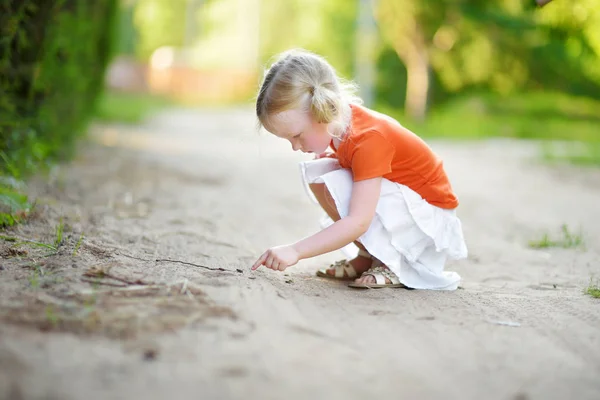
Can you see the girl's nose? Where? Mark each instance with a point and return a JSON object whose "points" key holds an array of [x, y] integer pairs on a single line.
{"points": [[295, 146]]}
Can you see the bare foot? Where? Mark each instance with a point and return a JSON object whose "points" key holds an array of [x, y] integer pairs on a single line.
{"points": [[360, 264]]}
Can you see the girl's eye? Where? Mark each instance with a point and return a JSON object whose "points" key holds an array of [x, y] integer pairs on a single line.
{"points": [[297, 136]]}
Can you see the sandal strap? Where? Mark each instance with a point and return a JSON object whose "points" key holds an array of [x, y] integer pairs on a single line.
{"points": [[380, 272], [343, 266]]}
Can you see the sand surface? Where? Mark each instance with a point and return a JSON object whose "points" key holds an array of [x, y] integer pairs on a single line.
{"points": [[205, 195]]}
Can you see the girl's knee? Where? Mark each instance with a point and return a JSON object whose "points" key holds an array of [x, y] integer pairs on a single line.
{"points": [[317, 188]]}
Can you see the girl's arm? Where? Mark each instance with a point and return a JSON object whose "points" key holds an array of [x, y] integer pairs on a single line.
{"points": [[365, 195]]}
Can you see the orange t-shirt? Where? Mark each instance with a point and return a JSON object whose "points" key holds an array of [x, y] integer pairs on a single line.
{"points": [[377, 145]]}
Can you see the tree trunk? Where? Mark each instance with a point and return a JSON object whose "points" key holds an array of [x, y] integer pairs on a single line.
{"points": [[417, 85], [412, 51]]}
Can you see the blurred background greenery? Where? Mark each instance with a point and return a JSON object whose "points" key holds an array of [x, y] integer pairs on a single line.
{"points": [[460, 69], [452, 68]]}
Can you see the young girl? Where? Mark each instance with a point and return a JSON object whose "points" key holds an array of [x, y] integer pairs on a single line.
{"points": [[382, 187]]}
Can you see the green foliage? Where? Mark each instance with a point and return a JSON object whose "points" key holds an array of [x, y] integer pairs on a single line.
{"points": [[500, 46], [530, 115], [325, 27], [14, 205], [390, 86], [159, 23], [53, 56]]}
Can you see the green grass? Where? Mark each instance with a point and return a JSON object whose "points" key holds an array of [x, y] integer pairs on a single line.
{"points": [[542, 115], [14, 205], [566, 125], [593, 289], [568, 240], [60, 228], [58, 240], [129, 108], [78, 245]]}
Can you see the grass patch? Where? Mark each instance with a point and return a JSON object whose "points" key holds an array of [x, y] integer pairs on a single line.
{"points": [[35, 244], [58, 240], [78, 245], [593, 289], [129, 107], [568, 240], [14, 205], [60, 228], [542, 116]]}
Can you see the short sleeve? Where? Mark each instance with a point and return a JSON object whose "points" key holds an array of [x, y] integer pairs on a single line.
{"points": [[372, 156]]}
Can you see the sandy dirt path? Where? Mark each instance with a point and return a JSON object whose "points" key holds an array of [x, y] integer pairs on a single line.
{"points": [[204, 188]]}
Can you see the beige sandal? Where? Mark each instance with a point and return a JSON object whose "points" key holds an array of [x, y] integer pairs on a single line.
{"points": [[380, 272], [344, 271]]}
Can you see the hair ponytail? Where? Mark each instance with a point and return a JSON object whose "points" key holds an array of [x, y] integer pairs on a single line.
{"points": [[301, 79], [325, 104]]}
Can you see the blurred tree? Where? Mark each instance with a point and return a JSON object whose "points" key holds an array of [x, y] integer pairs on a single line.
{"points": [[126, 29], [53, 58], [159, 23], [573, 31], [410, 26], [444, 48], [325, 27], [502, 45]]}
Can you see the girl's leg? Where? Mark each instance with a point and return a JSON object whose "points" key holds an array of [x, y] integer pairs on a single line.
{"points": [[360, 264]]}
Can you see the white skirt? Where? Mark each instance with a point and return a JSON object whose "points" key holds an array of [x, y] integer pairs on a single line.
{"points": [[410, 236]]}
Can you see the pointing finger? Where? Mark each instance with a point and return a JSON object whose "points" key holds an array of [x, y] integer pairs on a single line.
{"points": [[259, 262]]}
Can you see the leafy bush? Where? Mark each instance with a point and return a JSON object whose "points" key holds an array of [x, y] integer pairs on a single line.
{"points": [[53, 56]]}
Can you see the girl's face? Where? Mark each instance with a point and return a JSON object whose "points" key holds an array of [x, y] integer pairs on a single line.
{"points": [[302, 131]]}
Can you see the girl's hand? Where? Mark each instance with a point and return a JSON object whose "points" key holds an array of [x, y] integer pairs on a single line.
{"points": [[278, 258], [322, 155]]}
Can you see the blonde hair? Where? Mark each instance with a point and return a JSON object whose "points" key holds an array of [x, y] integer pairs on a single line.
{"points": [[304, 80]]}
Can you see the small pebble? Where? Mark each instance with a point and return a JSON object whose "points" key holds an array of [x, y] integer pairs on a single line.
{"points": [[150, 355], [240, 271], [1, 267]]}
